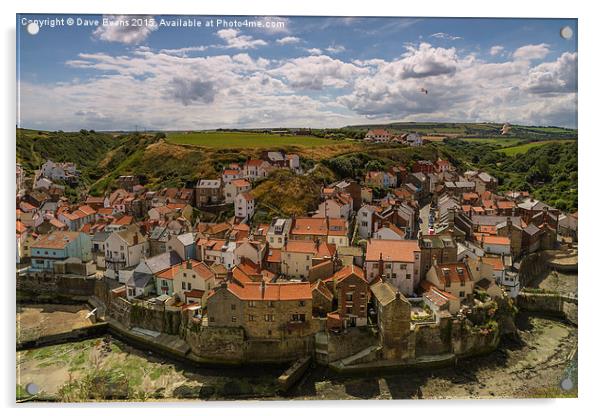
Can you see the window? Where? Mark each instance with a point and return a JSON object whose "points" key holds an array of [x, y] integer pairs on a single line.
{"points": [[189, 286], [375, 265], [393, 275], [364, 223], [270, 304], [212, 319], [251, 318], [388, 266], [234, 319], [349, 297], [164, 283], [269, 317], [251, 303], [301, 303], [183, 285], [461, 294], [462, 283], [348, 310], [233, 307]]}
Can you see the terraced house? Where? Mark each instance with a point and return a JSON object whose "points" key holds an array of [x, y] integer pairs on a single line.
{"points": [[263, 310], [59, 246]]}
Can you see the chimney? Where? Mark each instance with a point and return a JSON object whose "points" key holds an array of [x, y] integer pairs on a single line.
{"points": [[509, 222], [188, 264], [136, 238], [397, 295], [262, 288], [434, 260], [223, 284], [381, 265]]}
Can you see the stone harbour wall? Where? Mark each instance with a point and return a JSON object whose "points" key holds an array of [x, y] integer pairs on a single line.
{"points": [[549, 303]]}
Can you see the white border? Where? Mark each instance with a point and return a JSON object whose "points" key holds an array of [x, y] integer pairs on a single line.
{"points": [[589, 160]]}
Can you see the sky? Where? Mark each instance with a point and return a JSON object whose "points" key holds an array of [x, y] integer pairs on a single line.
{"points": [[154, 73]]}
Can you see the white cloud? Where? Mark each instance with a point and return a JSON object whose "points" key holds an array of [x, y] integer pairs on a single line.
{"points": [[175, 91], [318, 72], [314, 51], [288, 40], [445, 36], [119, 29], [185, 51], [559, 76], [532, 52], [463, 88], [496, 50], [235, 40], [335, 48]]}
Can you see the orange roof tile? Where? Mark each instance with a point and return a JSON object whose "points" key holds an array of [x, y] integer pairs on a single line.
{"points": [[310, 226], [392, 250], [272, 291], [495, 239]]}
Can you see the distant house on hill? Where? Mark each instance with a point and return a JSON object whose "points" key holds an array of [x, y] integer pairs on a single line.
{"points": [[378, 136]]}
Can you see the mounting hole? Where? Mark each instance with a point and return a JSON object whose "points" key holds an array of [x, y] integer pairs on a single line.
{"points": [[33, 28], [32, 388], [566, 32], [566, 384]]}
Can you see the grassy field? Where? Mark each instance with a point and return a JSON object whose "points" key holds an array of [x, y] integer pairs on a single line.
{"points": [[245, 140], [523, 148], [503, 141]]}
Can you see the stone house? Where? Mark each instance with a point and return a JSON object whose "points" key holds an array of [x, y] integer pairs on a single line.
{"points": [[392, 320], [351, 293], [443, 248], [322, 298], [209, 191], [263, 310]]}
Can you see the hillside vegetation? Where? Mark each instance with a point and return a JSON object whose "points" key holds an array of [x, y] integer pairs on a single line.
{"points": [[548, 171]]}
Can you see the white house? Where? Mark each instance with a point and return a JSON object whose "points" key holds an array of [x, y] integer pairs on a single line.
{"points": [[123, 250], [235, 187], [244, 206], [396, 261]]}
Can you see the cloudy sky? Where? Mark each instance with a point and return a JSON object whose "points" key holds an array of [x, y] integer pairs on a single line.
{"points": [[300, 72]]}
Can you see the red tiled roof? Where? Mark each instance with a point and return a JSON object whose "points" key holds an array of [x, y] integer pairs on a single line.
{"points": [[300, 246], [21, 228], [56, 239], [347, 271], [194, 293], [310, 226], [272, 291], [452, 272], [392, 250], [241, 183], [274, 255], [496, 262], [495, 239]]}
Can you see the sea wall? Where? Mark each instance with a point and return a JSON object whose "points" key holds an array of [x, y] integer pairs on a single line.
{"points": [[549, 303]]}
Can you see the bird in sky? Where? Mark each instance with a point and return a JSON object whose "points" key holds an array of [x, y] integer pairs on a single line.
{"points": [[505, 128], [424, 90]]}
